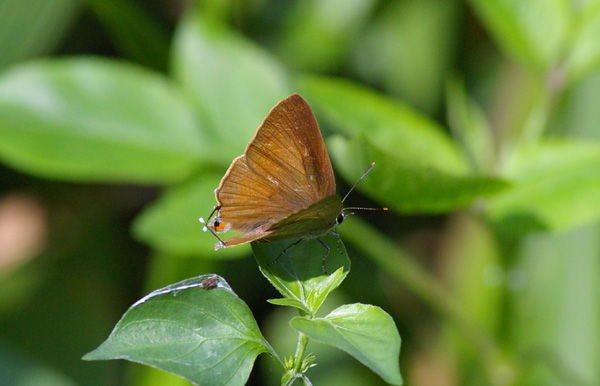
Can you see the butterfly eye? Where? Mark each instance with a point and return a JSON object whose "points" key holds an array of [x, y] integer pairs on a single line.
{"points": [[218, 225], [340, 218]]}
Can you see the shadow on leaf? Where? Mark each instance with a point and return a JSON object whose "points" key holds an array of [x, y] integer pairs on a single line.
{"points": [[298, 273]]}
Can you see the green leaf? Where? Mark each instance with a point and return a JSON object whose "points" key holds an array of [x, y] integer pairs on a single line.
{"points": [[419, 169], [207, 336], [312, 40], [532, 31], [366, 332], [404, 185], [298, 273], [394, 127], [96, 120], [557, 185], [170, 224], [290, 303], [585, 52], [33, 27], [233, 82]]}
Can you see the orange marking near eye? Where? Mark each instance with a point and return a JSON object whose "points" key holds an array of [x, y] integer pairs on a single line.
{"points": [[218, 225]]}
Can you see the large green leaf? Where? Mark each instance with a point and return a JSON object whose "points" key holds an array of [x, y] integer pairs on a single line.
{"points": [[366, 332], [96, 120], [234, 83], [419, 169], [33, 27], [557, 185], [203, 333], [393, 126], [405, 185], [531, 31], [298, 273], [170, 224]]}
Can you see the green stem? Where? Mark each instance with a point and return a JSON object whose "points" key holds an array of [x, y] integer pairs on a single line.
{"points": [[401, 266], [296, 371], [299, 355]]}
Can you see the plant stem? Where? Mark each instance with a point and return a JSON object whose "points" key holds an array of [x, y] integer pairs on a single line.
{"points": [[401, 266], [296, 371], [299, 355]]}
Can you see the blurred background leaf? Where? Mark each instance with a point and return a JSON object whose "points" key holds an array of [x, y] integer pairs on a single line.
{"points": [[29, 28], [406, 185], [419, 170], [530, 31], [557, 185], [394, 126], [231, 81], [96, 120]]}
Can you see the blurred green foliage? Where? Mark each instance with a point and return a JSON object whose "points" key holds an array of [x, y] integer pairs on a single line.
{"points": [[115, 113]]}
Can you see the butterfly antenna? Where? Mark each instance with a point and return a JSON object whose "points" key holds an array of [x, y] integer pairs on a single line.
{"points": [[360, 179], [361, 208], [352, 188]]}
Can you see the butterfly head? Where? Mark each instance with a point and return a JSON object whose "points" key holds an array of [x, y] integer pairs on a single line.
{"points": [[214, 224], [217, 225]]}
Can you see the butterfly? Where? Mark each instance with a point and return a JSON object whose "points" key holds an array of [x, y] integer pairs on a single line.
{"points": [[283, 186]]}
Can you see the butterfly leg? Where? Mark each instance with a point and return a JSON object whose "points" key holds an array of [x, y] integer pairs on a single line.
{"points": [[339, 241], [284, 251], [327, 249]]}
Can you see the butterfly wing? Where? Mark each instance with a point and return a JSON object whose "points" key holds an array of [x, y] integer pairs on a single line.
{"points": [[313, 221], [284, 169]]}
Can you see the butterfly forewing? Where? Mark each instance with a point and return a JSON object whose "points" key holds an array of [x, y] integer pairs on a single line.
{"points": [[289, 148], [284, 169]]}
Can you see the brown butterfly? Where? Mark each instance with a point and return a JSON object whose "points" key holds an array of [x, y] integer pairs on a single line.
{"points": [[283, 186]]}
